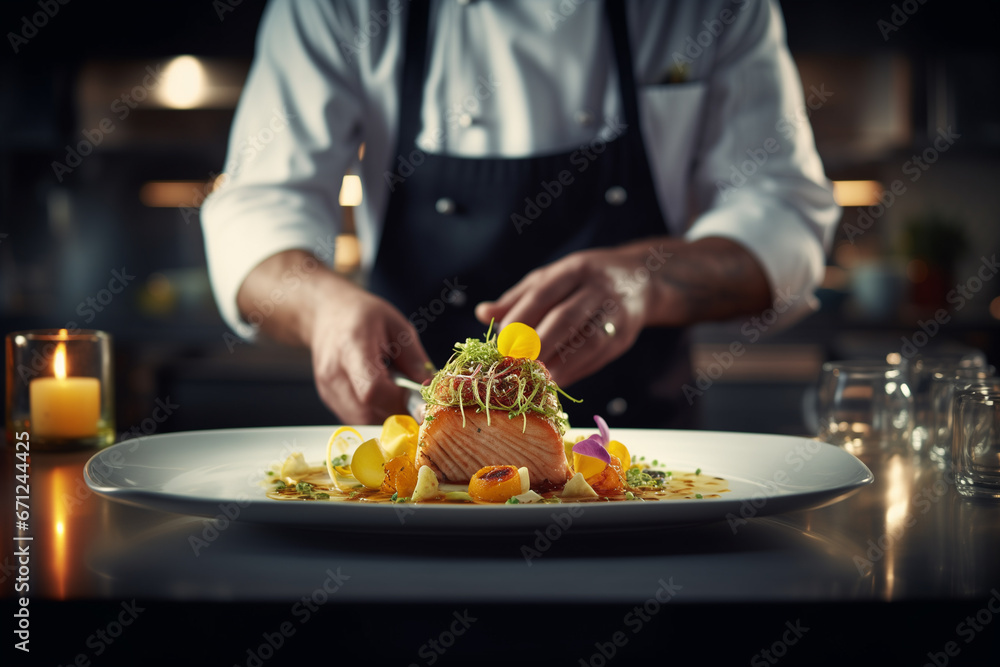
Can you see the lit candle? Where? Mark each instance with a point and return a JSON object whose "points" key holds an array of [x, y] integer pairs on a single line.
{"points": [[64, 407]]}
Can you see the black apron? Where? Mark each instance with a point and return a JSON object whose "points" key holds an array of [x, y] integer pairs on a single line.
{"points": [[451, 240]]}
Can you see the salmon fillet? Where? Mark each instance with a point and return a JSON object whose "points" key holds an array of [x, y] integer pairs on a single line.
{"points": [[455, 452]]}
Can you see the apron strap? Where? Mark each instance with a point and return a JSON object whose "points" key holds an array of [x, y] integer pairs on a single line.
{"points": [[410, 107], [623, 56]]}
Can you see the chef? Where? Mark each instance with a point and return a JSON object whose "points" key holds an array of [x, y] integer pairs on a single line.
{"points": [[609, 173]]}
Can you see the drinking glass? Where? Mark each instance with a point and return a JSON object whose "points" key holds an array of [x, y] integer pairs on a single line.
{"points": [[976, 443], [922, 369], [942, 393], [865, 406]]}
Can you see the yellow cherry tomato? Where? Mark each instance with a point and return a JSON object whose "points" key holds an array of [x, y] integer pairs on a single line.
{"points": [[495, 484], [519, 340], [368, 464]]}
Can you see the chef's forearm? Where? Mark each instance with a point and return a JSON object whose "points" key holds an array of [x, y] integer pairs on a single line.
{"points": [[281, 295], [705, 280]]}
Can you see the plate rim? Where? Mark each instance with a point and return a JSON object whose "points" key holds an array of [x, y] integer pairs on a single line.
{"points": [[451, 518]]}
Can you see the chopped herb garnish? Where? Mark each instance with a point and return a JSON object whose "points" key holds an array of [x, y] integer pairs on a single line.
{"points": [[629, 495], [637, 478], [513, 501], [394, 497], [270, 473], [304, 487], [698, 471], [321, 496], [698, 495], [655, 462], [279, 484], [642, 458]]}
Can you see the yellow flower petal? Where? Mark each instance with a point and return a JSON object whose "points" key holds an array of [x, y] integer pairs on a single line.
{"points": [[399, 436], [519, 340], [587, 465], [620, 451]]}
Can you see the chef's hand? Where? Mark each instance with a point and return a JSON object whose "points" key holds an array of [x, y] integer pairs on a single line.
{"points": [[355, 347], [590, 306], [357, 339], [584, 307]]}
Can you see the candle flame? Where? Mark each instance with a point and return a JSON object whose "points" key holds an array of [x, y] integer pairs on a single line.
{"points": [[59, 365]]}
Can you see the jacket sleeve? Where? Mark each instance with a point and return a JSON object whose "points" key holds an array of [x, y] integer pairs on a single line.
{"points": [[759, 180], [296, 127]]}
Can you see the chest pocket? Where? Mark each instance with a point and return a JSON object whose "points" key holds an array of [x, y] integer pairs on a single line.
{"points": [[670, 115]]}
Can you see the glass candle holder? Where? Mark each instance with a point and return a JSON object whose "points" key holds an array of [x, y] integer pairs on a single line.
{"points": [[59, 388]]}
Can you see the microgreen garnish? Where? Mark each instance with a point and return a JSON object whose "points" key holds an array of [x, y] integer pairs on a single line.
{"points": [[478, 377]]}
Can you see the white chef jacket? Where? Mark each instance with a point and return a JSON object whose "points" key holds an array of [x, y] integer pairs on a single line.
{"points": [[729, 145]]}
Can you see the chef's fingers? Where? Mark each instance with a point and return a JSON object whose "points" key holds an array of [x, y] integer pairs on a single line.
{"points": [[500, 308], [410, 359], [562, 323], [360, 391], [539, 292], [581, 356]]}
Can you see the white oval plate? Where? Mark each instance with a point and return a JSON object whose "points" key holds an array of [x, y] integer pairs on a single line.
{"points": [[218, 474]]}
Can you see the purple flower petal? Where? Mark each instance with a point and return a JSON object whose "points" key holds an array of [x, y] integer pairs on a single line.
{"points": [[592, 447], [605, 431]]}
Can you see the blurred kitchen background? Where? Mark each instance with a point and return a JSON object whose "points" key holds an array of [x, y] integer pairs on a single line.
{"points": [[881, 80]]}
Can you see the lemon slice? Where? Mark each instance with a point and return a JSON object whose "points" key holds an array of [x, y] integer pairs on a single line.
{"points": [[342, 440]]}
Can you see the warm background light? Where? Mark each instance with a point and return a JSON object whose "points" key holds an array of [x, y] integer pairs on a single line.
{"points": [[857, 193], [174, 194], [184, 83], [995, 308], [350, 191], [191, 194]]}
